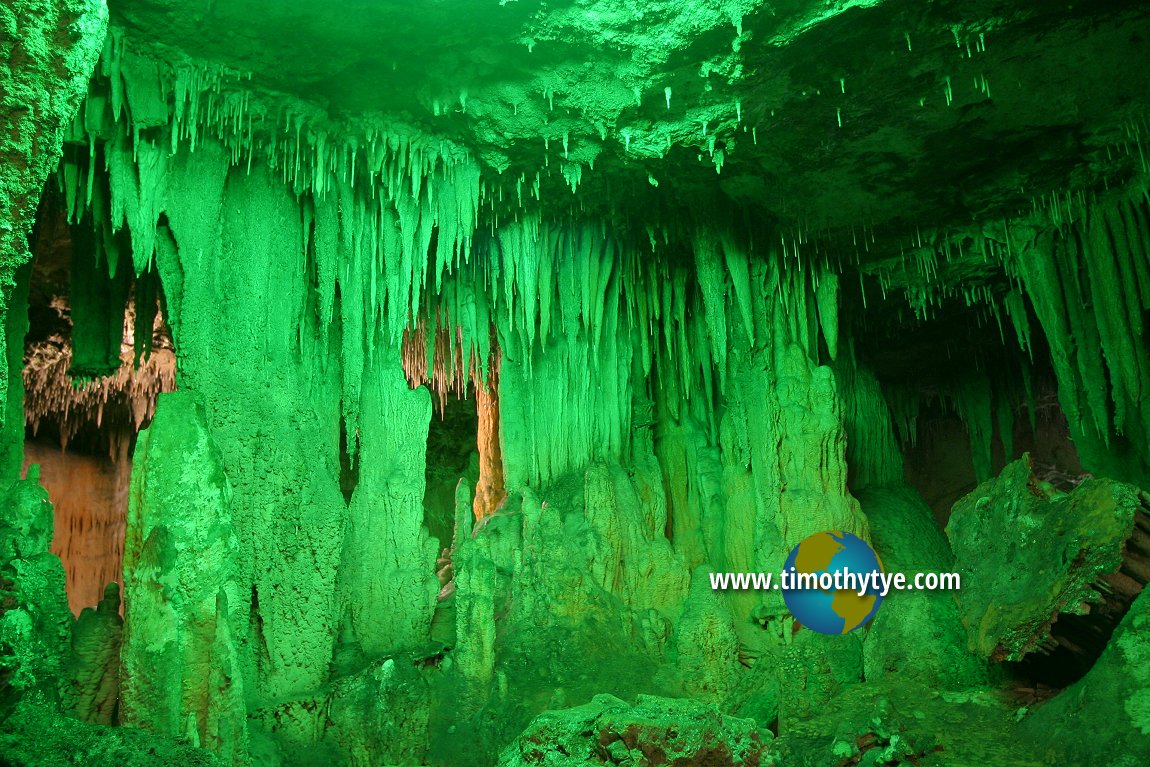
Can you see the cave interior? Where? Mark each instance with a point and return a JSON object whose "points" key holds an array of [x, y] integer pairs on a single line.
{"points": [[384, 383]]}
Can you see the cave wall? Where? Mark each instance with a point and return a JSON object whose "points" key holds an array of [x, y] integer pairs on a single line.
{"points": [[50, 51]]}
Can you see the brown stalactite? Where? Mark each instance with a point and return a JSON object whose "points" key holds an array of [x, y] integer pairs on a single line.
{"points": [[489, 490], [128, 396], [444, 375], [438, 363], [89, 490], [89, 495]]}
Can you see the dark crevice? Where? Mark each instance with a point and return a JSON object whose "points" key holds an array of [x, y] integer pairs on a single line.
{"points": [[348, 467]]}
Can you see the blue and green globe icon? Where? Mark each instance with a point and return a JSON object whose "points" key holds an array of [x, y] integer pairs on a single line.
{"points": [[834, 610]]}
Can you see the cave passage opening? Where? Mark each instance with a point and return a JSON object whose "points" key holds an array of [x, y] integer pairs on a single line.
{"points": [[452, 455], [967, 398], [97, 353], [463, 435]]}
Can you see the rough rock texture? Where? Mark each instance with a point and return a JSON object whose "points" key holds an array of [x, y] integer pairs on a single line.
{"points": [[49, 50], [180, 673], [36, 737], [1107, 712], [15, 328], [858, 112], [655, 731], [35, 626], [90, 506], [905, 723], [1051, 551], [916, 634], [94, 696]]}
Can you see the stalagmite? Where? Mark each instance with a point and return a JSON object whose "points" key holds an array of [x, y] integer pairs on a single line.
{"points": [[95, 692], [386, 584], [179, 665], [489, 492]]}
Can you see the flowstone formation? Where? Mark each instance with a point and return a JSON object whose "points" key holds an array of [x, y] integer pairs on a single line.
{"points": [[456, 350]]}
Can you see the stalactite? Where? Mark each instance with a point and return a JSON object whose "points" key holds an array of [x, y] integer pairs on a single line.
{"points": [[433, 357], [48, 82], [655, 397], [873, 453], [90, 504], [489, 490], [98, 305], [54, 396], [1090, 300], [713, 285], [972, 403]]}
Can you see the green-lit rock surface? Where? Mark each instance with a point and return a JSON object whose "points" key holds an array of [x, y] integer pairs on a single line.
{"points": [[916, 634], [653, 731], [821, 114], [1051, 551], [1106, 712], [180, 673], [34, 737], [35, 626]]}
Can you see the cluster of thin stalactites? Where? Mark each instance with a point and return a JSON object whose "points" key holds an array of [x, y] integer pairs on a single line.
{"points": [[435, 357], [52, 394]]}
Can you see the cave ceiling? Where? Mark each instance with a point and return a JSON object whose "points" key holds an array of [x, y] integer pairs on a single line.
{"points": [[819, 116]]}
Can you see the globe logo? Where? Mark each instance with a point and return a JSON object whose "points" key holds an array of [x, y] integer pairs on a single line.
{"points": [[823, 601]]}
